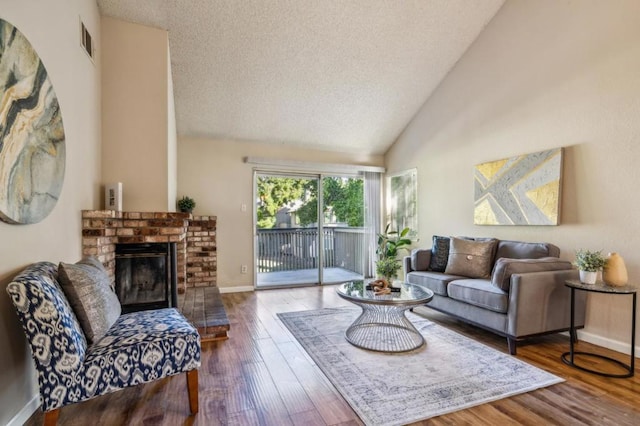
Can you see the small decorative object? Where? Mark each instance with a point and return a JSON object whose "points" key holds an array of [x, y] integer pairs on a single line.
{"points": [[615, 272], [589, 263], [380, 286], [389, 243], [32, 139], [186, 204], [113, 196]]}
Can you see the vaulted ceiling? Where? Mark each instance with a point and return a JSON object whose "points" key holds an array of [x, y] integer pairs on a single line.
{"points": [[339, 75]]}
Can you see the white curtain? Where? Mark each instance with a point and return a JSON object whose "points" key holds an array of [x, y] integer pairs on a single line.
{"points": [[372, 215]]}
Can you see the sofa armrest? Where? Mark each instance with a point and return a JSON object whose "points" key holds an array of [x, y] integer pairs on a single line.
{"points": [[406, 263], [417, 261], [506, 267], [420, 259], [540, 302]]}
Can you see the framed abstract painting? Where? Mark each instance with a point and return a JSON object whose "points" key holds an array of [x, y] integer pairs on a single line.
{"points": [[522, 190]]}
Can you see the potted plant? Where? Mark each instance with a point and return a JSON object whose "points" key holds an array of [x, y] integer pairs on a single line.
{"points": [[186, 204], [389, 243], [589, 263]]}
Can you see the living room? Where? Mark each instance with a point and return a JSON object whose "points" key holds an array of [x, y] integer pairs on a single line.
{"points": [[540, 75]]}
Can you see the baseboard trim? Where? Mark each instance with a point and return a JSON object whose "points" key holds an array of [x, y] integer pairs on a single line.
{"points": [[614, 345], [23, 415], [239, 289]]}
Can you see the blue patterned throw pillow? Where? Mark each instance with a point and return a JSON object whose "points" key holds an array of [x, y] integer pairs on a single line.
{"points": [[439, 254]]}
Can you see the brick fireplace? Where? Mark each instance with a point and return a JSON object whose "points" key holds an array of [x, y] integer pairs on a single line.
{"points": [[194, 236]]}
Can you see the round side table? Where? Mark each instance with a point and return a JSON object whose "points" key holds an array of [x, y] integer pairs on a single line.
{"points": [[600, 287]]}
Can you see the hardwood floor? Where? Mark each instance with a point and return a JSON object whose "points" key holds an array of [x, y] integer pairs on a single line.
{"points": [[261, 376]]}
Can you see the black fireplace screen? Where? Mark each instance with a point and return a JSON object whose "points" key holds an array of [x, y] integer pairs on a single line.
{"points": [[146, 276]]}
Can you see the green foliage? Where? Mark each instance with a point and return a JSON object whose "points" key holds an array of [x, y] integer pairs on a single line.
{"points": [[388, 268], [347, 201], [390, 242], [343, 198], [275, 193], [186, 204], [590, 261]]}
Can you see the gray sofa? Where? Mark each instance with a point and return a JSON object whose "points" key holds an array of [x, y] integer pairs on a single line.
{"points": [[520, 292]]}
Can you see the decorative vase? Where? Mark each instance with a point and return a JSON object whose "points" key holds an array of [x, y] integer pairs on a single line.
{"points": [[615, 272], [588, 277]]}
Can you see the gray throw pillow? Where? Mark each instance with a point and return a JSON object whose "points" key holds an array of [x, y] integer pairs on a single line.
{"points": [[506, 267], [88, 289], [473, 259], [439, 254]]}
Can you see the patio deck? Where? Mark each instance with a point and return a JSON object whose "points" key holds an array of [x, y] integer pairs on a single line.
{"points": [[305, 276]]}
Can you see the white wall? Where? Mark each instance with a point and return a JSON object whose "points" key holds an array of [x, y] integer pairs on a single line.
{"points": [[53, 31], [543, 74], [172, 142], [135, 104], [214, 173]]}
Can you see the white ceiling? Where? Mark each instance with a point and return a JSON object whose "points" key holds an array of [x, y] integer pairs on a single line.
{"points": [[338, 75]]}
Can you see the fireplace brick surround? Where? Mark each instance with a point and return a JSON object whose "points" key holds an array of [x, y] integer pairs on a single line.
{"points": [[195, 238]]}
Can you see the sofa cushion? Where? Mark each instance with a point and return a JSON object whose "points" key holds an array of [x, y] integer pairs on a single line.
{"points": [[89, 292], [439, 254], [140, 347], [434, 281], [504, 268], [524, 250], [473, 259], [479, 293]]}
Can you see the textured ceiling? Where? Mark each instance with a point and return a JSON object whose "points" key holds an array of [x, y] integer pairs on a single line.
{"points": [[334, 75]]}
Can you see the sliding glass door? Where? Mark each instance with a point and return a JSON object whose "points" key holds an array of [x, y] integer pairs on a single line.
{"points": [[306, 236]]}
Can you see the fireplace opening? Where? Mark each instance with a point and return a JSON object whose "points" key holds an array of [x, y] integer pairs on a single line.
{"points": [[146, 276]]}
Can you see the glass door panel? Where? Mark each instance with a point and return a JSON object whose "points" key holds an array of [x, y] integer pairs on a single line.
{"points": [[342, 229], [305, 236], [286, 230]]}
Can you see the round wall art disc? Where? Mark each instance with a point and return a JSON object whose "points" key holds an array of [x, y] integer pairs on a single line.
{"points": [[32, 143]]}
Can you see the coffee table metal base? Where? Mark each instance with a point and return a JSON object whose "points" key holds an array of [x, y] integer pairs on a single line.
{"points": [[384, 328]]}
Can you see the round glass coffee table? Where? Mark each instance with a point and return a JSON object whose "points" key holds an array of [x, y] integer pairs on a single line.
{"points": [[383, 326]]}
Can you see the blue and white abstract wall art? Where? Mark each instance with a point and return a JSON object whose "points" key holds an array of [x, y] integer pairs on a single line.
{"points": [[32, 139]]}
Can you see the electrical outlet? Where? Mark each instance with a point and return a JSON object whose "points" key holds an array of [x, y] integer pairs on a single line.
{"points": [[243, 269], [243, 207]]}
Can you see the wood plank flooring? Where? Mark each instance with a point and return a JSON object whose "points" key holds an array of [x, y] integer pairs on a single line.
{"points": [[261, 376]]}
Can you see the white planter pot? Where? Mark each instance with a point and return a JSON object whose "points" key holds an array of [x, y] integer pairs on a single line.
{"points": [[588, 277]]}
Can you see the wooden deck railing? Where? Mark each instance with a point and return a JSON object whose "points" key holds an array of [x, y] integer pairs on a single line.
{"points": [[289, 249]]}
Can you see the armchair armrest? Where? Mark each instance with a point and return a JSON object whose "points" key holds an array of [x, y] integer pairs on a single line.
{"points": [[540, 302]]}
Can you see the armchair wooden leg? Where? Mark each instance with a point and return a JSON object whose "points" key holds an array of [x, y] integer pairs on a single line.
{"points": [[192, 388], [511, 342], [51, 417]]}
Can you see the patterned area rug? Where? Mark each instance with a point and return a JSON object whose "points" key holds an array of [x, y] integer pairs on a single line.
{"points": [[451, 372]]}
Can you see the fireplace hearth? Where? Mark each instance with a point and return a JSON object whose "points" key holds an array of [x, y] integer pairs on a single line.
{"points": [[146, 276]]}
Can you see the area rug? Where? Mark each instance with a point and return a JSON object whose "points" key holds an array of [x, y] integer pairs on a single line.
{"points": [[451, 372]]}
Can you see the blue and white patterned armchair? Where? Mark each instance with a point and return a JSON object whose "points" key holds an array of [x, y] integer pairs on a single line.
{"points": [[139, 347]]}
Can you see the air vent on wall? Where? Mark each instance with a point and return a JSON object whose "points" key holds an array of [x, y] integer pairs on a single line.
{"points": [[86, 41]]}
